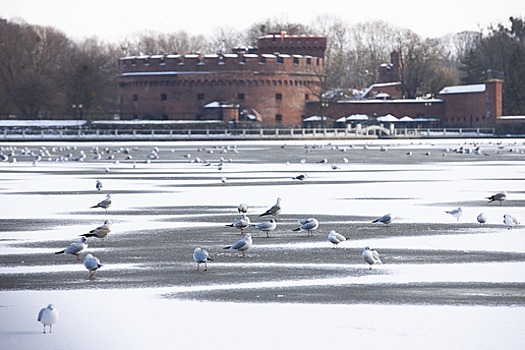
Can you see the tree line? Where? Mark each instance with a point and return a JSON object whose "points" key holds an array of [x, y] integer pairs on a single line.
{"points": [[46, 75]]}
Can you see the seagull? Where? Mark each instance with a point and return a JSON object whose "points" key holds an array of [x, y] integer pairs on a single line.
{"points": [[385, 219], [243, 245], [301, 177], [510, 221], [275, 210], [482, 218], [75, 248], [92, 263], [266, 226], [455, 213], [98, 185], [308, 225], [48, 317], [101, 231], [201, 256], [336, 238], [371, 256], [242, 208], [106, 203], [500, 196], [240, 223]]}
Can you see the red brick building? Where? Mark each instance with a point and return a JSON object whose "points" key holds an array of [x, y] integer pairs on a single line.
{"points": [[279, 83], [273, 84], [477, 105]]}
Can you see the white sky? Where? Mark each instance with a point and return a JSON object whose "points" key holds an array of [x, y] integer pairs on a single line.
{"points": [[113, 20]]}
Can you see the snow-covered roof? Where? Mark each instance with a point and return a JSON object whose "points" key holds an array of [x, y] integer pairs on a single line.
{"points": [[220, 104], [462, 89], [41, 123]]}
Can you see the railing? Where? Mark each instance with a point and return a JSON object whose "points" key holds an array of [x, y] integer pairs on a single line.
{"points": [[374, 131]]}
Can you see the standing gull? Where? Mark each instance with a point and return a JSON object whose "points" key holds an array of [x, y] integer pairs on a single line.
{"points": [[240, 223], [75, 248], [101, 231], [500, 196], [92, 263], [455, 213], [48, 317], [98, 185], [510, 221], [307, 225], [201, 256], [105, 204], [371, 256], [275, 210], [301, 177], [482, 218], [243, 245], [266, 226], [385, 219], [336, 238]]}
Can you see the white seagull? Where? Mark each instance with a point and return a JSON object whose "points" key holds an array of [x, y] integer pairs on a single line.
{"points": [[101, 231], [201, 256], [240, 223], [242, 208], [482, 218], [105, 204], [371, 256], [98, 185], [266, 226], [307, 225], [385, 219], [455, 213], [48, 316], [336, 238], [243, 245], [75, 248], [510, 221], [500, 196], [92, 263], [275, 210]]}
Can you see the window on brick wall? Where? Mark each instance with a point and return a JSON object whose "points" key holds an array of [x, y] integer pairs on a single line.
{"points": [[240, 96], [163, 97], [200, 96], [278, 118], [135, 97], [296, 60], [278, 97], [306, 97]]}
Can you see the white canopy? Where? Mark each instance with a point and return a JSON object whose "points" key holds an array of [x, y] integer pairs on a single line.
{"points": [[353, 117], [387, 118], [316, 118], [406, 118]]}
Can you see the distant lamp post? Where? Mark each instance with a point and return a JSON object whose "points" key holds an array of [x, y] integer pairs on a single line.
{"points": [[78, 110]]}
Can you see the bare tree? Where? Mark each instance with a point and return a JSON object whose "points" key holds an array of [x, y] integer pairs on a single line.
{"points": [[31, 63], [153, 43]]}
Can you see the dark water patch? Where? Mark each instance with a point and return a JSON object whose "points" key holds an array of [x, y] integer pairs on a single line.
{"points": [[489, 294]]}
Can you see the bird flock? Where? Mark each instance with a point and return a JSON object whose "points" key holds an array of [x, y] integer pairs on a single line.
{"points": [[267, 221]]}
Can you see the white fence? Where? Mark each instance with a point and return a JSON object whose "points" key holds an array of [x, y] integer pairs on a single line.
{"points": [[374, 131]]}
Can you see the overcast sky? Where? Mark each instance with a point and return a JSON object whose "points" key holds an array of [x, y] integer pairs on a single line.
{"points": [[113, 20]]}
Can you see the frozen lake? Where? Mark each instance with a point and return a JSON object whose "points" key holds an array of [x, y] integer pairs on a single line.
{"points": [[442, 280]]}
